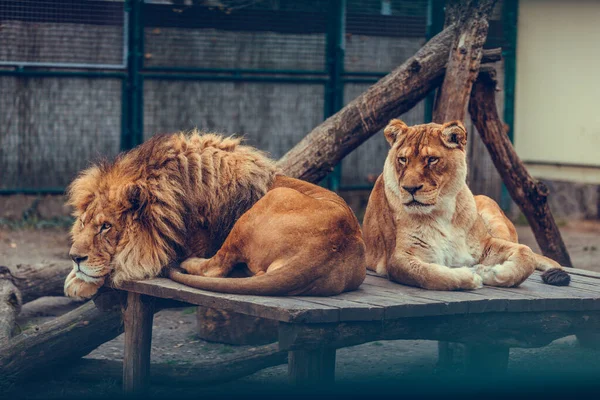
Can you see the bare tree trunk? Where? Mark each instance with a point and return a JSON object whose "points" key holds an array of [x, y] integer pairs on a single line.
{"points": [[195, 374], [62, 340], [35, 281], [471, 18], [529, 194], [10, 306]]}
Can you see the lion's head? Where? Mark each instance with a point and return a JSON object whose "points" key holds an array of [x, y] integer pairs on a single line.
{"points": [[426, 163], [134, 216]]}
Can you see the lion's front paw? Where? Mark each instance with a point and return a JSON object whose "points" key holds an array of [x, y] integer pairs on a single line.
{"points": [[468, 278], [79, 289], [195, 265]]}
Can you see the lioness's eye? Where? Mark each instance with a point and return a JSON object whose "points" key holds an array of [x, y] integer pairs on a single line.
{"points": [[105, 226], [432, 160], [402, 160]]}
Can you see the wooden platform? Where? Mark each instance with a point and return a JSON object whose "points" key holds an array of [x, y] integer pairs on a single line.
{"points": [[488, 320]]}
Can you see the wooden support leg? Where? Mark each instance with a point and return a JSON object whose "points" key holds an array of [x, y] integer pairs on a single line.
{"points": [[480, 360], [487, 361], [137, 318], [311, 368]]}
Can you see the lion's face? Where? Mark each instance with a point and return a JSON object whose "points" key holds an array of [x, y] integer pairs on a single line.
{"points": [[113, 233], [95, 238], [426, 163]]}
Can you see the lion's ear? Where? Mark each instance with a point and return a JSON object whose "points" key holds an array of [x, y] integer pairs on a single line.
{"points": [[136, 197], [454, 135], [394, 130]]}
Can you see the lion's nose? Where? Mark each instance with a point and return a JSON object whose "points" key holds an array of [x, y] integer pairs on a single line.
{"points": [[412, 189], [77, 258]]}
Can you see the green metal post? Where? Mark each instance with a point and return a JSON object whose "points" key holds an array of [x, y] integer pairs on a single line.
{"points": [[435, 24], [510, 12], [132, 119], [334, 90]]}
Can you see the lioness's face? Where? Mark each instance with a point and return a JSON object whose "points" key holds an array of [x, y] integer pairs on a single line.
{"points": [[426, 163]]}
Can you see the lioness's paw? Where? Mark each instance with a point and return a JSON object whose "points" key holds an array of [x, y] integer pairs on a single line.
{"points": [[468, 278], [79, 289]]}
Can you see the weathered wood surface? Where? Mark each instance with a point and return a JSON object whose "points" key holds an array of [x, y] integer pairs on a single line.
{"points": [[137, 317], [314, 368], [62, 340], [10, 305], [194, 374], [379, 299], [496, 329], [34, 281], [530, 195], [471, 19]]}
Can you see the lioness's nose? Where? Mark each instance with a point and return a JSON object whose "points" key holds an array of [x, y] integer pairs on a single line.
{"points": [[412, 189], [77, 258]]}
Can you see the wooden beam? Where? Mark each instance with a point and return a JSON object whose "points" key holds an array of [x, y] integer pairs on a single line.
{"points": [[192, 374], [312, 368], [62, 340], [519, 329], [530, 195], [471, 18], [137, 317]]}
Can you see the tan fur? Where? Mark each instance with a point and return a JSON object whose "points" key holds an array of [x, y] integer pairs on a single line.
{"points": [[440, 236], [187, 196]]}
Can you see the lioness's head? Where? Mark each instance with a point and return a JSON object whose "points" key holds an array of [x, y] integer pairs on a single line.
{"points": [[426, 163]]}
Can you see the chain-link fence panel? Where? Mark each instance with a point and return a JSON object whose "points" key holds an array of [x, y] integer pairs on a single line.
{"points": [[51, 128]]}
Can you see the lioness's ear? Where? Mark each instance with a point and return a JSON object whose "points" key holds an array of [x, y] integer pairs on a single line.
{"points": [[395, 129], [454, 134]]}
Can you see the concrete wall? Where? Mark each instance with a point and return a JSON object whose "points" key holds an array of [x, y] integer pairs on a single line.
{"points": [[556, 110]]}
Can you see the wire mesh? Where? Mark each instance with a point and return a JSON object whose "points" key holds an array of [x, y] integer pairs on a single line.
{"points": [[50, 128], [380, 35], [272, 116], [62, 32], [263, 35]]}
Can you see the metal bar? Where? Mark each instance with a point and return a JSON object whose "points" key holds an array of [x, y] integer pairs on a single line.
{"points": [[64, 74], [236, 71], [366, 73], [334, 90], [50, 190], [197, 77], [435, 24], [561, 164], [59, 65], [132, 134], [359, 80], [510, 11]]}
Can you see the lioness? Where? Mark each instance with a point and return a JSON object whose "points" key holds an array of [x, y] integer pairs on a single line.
{"points": [[217, 205], [423, 226]]}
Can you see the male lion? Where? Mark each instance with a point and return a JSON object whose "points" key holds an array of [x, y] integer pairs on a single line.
{"points": [[422, 219], [217, 205]]}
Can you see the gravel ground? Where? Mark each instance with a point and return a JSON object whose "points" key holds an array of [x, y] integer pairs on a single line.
{"points": [[385, 367]]}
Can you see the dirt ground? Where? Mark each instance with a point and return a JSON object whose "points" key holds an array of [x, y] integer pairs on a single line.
{"points": [[407, 367]]}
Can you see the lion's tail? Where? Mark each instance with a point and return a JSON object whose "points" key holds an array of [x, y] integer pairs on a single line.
{"points": [[281, 282]]}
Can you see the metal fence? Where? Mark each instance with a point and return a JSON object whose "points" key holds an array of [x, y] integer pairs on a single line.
{"points": [[85, 79]]}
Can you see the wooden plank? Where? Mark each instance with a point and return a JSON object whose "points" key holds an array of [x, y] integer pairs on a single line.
{"points": [[276, 308], [137, 317], [349, 310], [583, 272], [395, 305]]}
